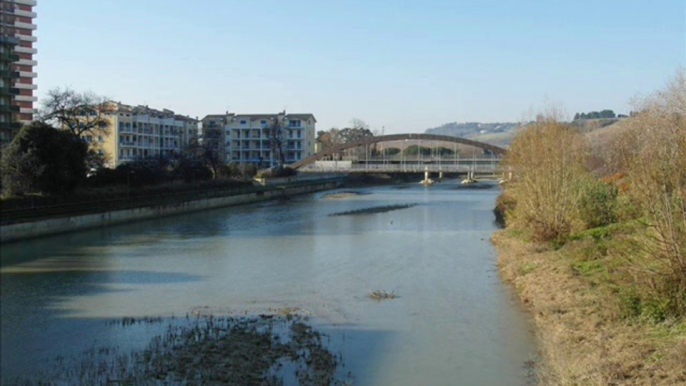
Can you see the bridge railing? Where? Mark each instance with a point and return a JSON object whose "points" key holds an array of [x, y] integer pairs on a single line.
{"points": [[401, 168]]}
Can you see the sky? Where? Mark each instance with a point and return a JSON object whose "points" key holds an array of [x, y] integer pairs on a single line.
{"points": [[401, 66]]}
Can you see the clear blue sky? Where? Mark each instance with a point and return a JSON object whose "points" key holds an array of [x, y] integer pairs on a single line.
{"points": [[405, 65]]}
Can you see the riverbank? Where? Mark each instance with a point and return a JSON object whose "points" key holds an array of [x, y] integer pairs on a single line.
{"points": [[584, 333], [154, 208]]}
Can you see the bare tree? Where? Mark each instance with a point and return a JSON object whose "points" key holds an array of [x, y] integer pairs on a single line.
{"points": [[549, 158], [656, 167], [357, 123], [277, 137], [78, 112], [208, 153]]}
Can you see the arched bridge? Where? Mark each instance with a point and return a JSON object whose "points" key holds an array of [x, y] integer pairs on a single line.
{"points": [[420, 164]]}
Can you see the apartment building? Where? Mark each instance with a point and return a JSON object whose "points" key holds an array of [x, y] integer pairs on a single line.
{"points": [[16, 66], [139, 131], [215, 131], [246, 138]]}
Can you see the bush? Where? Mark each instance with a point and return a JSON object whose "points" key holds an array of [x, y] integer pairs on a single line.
{"points": [[598, 204], [42, 159]]}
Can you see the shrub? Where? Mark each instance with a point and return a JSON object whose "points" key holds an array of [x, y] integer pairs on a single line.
{"points": [[598, 204], [277, 173]]}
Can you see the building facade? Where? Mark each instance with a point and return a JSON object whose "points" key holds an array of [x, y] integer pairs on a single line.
{"points": [[139, 131], [16, 66], [247, 138]]}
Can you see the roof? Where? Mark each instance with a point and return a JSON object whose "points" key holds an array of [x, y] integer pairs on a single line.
{"points": [[302, 116], [255, 117], [217, 116]]}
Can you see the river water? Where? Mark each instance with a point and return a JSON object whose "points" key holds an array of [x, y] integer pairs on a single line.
{"points": [[453, 322]]}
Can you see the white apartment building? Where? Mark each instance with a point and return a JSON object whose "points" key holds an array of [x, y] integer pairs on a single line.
{"points": [[139, 132], [245, 138]]}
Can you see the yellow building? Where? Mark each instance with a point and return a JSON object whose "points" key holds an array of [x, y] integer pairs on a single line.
{"points": [[139, 131]]}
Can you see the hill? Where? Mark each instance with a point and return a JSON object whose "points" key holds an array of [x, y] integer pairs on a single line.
{"points": [[471, 129]]}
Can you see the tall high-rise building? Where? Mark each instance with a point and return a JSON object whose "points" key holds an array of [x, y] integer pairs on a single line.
{"points": [[16, 66]]}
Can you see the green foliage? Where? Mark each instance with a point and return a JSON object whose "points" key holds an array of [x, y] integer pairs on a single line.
{"points": [[598, 204], [42, 159], [352, 134], [637, 305], [391, 151], [414, 150]]}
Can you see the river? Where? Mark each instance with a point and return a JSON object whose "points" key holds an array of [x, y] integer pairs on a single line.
{"points": [[453, 321]]}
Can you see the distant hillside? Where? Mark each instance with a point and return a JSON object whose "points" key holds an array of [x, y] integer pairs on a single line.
{"points": [[589, 125], [498, 133], [471, 129]]}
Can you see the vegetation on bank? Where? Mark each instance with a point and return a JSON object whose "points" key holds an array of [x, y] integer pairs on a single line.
{"points": [[596, 244], [261, 350]]}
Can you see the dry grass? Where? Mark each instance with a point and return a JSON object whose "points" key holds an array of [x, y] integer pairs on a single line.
{"points": [[582, 338]]}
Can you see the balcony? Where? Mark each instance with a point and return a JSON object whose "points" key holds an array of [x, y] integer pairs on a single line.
{"points": [[9, 90], [5, 57], [9, 109], [9, 74]]}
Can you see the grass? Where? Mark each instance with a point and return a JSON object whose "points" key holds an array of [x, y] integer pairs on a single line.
{"points": [[578, 295]]}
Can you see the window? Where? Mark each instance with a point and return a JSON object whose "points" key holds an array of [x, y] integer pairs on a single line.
{"points": [[243, 122], [294, 123], [263, 122], [99, 138]]}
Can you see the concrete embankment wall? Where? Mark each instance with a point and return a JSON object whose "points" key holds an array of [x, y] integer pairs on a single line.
{"points": [[21, 231]]}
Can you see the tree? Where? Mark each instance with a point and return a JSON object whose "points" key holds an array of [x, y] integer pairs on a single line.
{"points": [[77, 112], [277, 137], [43, 159], [549, 162], [654, 157], [207, 151], [329, 138], [358, 130]]}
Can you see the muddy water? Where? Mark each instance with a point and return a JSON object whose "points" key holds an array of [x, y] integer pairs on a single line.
{"points": [[452, 323]]}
